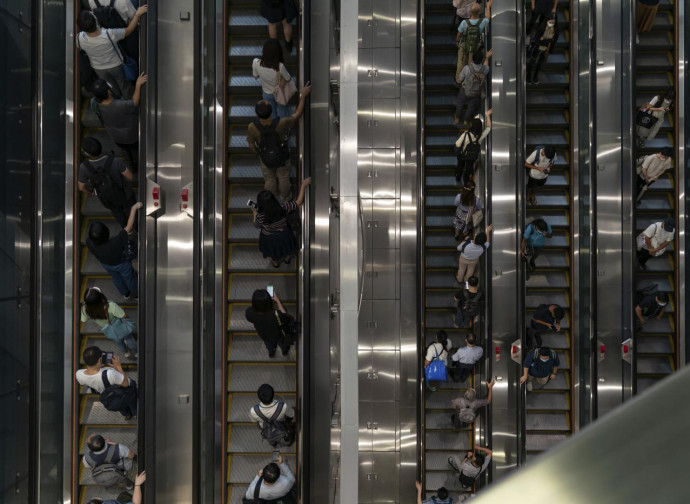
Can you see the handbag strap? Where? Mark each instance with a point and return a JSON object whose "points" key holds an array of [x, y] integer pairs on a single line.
{"points": [[122, 60], [280, 323]]}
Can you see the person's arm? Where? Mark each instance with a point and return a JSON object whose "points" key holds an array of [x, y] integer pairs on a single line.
{"points": [[252, 139], [648, 242], [286, 471], [135, 20], [487, 11], [661, 313], [419, 492], [488, 116], [284, 73], [128, 174], [141, 80], [488, 53], [534, 4], [553, 372], [640, 317], [532, 159], [490, 385], [133, 216], [489, 229], [117, 366], [127, 10], [549, 231], [483, 449], [82, 187], [138, 481], [279, 305], [306, 90], [302, 190]]}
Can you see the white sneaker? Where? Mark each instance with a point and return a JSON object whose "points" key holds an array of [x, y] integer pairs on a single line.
{"points": [[128, 355], [529, 386]]}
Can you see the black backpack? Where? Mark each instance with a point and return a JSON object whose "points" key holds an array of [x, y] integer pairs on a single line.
{"points": [[273, 150], [108, 191], [274, 431], [275, 3], [107, 16], [470, 152], [471, 307], [467, 481], [115, 397]]}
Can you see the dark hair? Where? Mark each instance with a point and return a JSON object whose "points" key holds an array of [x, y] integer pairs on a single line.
{"points": [[271, 473], [265, 393], [549, 151], [442, 493], [87, 21], [473, 281], [267, 204], [96, 443], [471, 339], [272, 55], [667, 151], [99, 233], [100, 89], [442, 337], [261, 301], [95, 304], [480, 238], [544, 351], [467, 196], [558, 313], [92, 146], [476, 127], [263, 109], [478, 460], [663, 297], [540, 224], [478, 57], [92, 355]]}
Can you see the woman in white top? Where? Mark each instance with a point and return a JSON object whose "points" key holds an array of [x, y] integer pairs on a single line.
{"points": [[651, 168], [539, 165], [100, 45], [270, 69], [644, 133], [438, 349]]}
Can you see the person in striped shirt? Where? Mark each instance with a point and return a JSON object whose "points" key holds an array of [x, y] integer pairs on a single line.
{"points": [[441, 496]]}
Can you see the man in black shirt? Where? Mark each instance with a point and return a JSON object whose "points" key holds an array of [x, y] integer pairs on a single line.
{"points": [[110, 252], [547, 317], [653, 305], [468, 306]]}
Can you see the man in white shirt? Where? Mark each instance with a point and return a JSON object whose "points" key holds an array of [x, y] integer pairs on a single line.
{"points": [[539, 164], [92, 376], [654, 240], [464, 359], [470, 252], [651, 168], [100, 45], [276, 481]]}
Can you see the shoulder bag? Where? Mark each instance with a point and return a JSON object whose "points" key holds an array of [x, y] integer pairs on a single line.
{"points": [[117, 329], [284, 91], [288, 328], [436, 370], [129, 64]]}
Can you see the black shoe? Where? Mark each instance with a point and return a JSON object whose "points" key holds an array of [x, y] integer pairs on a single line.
{"points": [[287, 260], [288, 46], [642, 266], [272, 353], [285, 352], [127, 296]]}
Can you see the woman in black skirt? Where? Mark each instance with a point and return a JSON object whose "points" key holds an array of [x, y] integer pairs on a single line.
{"points": [[277, 240], [269, 316], [280, 11]]}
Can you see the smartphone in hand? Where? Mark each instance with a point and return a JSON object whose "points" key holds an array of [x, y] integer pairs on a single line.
{"points": [[269, 288]]}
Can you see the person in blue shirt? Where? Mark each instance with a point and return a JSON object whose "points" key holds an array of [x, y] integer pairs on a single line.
{"points": [[136, 496], [533, 240], [441, 496], [541, 364]]}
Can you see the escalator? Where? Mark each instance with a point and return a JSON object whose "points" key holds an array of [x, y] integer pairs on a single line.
{"points": [[248, 364], [548, 410], [93, 418], [655, 344], [440, 438]]}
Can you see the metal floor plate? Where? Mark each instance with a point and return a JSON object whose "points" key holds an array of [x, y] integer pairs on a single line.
{"points": [[544, 400], [653, 365], [542, 442]]}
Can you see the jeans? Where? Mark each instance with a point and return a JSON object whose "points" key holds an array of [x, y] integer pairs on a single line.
{"points": [[277, 178], [128, 344], [461, 320], [278, 110], [132, 153], [124, 278], [120, 87], [472, 103]]}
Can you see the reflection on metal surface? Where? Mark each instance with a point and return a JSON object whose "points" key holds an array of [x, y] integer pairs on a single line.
{"points": [[613, 460]]}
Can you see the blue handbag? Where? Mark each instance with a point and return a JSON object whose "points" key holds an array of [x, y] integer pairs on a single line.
{"points": [[129, 64], [117, 329], [436, 370]]}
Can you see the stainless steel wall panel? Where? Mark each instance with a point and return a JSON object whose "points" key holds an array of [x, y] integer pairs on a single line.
{"points": [[386, 18], [385, 485], [385, 117], [385, 326], [365, 173], [385, 273], [385, 365], [386, 65], [365, 74], [385, 229], [366, 23], [365, 124], [386, 173], [366, 431], [384, 427]]}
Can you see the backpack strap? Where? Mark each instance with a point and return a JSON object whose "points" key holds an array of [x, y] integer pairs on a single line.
{"points": [[257, 410], [110, 453], [89, 459], [464, 245], [536, 354], [98, 4], [104, 377], [112, 3], [277, 412], [109, 162], [257, 489]]}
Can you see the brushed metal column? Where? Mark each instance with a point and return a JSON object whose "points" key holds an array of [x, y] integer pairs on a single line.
{"points": [[682, 167], [613, 185], [507, 93], [172, 126]]}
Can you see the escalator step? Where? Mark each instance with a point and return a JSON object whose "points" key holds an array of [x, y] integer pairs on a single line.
{"points": [[94, 413], [242, 285], [239, 194], [548, 401], [441, 259], [440, 420], [536, 298], [664, 325], [250, 348], [661, 81], [92, 207], [546, 421], [448, 479], [543, 442], [241, 229], [654, 365], [245, 169], [438, 460], [87, 493], [242, 80], [442, 398], [447, 440], [649, 344], [247, 377], [553, 258], [247, 439], [656, 201], [246, 257], [655, 40], [441, 300], [557, 341], [548, 279]]}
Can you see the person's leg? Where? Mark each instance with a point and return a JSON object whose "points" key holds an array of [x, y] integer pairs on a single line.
{"points": [[120, 215], [287, 32], [284, 348], [640, 184], [271, 347], [118, 281], [462, 269], [273, 30], [471, 268], [461, 62], [643, 256], [271, 98], [125, 87], [132, 344], [283, 175], [464, 373], [460, 104], [120, 345], [270, 182], [284, 110], [131, 153], [536, 251], [543, 381], [129, 276]]}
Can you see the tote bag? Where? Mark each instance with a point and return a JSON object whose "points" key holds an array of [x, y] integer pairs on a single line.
{"points": [[284, 91], [436, 370], [117, 329]]}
